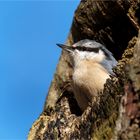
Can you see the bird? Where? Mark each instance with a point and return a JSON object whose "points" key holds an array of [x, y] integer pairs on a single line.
{"points": [[92, 65]]}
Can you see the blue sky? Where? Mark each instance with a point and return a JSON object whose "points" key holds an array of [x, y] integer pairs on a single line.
{"points": [[29, 31]]}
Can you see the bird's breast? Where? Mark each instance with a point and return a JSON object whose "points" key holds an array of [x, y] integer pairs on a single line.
{"points": [[88, 79], [90, 74]]}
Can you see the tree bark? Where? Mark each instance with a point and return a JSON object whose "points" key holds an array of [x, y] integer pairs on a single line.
{"points": [[115, 113]]}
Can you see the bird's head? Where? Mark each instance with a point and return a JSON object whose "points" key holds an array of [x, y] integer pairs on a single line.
{"points": [[90, 50]]}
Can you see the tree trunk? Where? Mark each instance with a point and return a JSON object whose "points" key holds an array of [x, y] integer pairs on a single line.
{"points": [[115, 113]]}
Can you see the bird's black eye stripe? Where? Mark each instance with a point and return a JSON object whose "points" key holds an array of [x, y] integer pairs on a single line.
{"points": [[82, 48], [106, 54]]}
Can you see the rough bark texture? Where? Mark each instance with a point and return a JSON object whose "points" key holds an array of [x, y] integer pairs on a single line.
{"points": [[115, 113]]}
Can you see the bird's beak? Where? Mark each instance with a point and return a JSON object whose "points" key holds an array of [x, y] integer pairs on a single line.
{"points": [[65, 47]]}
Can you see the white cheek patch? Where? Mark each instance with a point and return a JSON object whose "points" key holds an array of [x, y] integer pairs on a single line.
{"points": [[97, 57], [100, 56], [85, 55], [91, 55]]}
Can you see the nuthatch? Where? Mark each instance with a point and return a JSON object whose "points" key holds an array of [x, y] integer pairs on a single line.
{"points": [[92, 66]]}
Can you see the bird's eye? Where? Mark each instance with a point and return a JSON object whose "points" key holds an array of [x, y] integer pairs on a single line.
{"points": [[80, 48], [88, 49], [92, 50]]}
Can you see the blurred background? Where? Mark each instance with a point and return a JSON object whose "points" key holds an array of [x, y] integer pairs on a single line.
{"points": [[29, 31]]}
